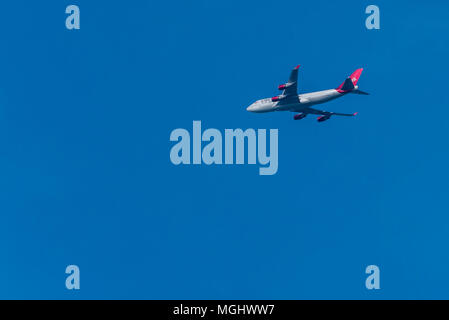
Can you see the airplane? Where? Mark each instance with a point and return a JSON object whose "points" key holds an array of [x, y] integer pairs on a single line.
{"points": [[289, 100]]}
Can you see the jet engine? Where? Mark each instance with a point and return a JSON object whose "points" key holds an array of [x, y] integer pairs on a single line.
{"points": [[323, 118], [284, 86], [299, 116], [277, 98]]}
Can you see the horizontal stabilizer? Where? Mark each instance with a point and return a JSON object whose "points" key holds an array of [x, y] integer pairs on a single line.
{"points": [[357, 91]]}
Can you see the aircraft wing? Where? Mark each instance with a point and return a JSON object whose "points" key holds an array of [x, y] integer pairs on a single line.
{"points": [[328, 113], [290, 88]]}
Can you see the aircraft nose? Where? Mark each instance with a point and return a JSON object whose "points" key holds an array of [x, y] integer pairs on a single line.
{"points": [[251, 108]]}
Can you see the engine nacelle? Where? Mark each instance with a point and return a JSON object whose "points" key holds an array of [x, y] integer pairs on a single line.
{"points": [[277, 98], [285, 86], [323, 118], [299, 116]]}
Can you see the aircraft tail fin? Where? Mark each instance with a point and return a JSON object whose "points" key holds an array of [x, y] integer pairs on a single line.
{"points": [[351, 82]]}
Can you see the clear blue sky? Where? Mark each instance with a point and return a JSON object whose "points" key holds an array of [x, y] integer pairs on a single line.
{"points": [[85, 119]]}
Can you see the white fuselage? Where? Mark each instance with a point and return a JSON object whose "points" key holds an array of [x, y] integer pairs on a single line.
{"points": [[305, 100]]}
